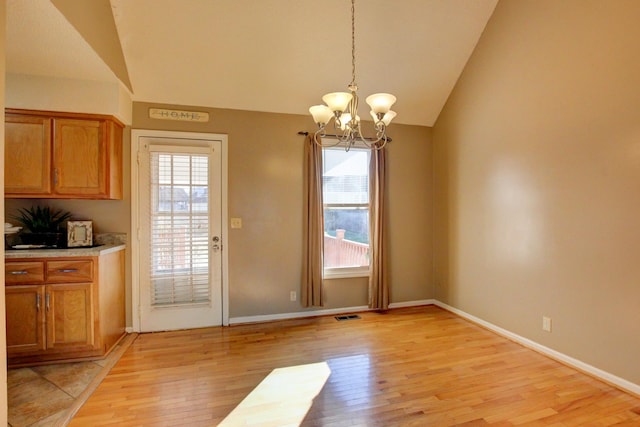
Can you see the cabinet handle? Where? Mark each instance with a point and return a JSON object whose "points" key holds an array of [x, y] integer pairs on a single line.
{"points": [[38, 302], [68, 270], [46, 301], [19, 272], [55, 176]]}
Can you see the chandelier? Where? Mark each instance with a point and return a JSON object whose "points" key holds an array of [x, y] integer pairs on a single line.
{"points": [[342, 107]]}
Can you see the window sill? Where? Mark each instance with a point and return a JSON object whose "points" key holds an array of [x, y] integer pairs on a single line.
{"points": [[345, 273]]}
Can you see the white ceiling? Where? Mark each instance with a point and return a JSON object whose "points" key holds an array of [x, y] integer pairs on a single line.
{"points": [[263, 55]]}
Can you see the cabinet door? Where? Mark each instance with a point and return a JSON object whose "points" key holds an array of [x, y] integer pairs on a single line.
{"points": [[27, 166], [80, 158], [25, 319], [70, 316]]}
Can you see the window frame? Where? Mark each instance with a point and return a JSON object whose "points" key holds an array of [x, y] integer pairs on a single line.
{"points": [[345, 272]]}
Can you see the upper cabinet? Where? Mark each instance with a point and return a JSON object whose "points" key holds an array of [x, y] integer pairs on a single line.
{"points": [[27, 156], [62, 155]]}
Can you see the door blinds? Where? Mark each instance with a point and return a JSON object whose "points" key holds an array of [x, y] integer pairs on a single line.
{"points": [[179, 227]]}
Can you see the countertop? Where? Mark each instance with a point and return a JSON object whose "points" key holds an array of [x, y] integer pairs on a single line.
{"points": [[67, 252]]}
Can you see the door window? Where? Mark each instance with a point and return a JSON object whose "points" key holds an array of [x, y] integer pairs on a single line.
{"points": [[179, 228]]}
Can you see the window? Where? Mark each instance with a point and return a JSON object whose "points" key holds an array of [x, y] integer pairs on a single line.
{"points": [[345, 192], [179, 234]]}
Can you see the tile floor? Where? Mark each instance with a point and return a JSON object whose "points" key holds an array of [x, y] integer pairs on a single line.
{"points": [[39, 395], [42, 396]]}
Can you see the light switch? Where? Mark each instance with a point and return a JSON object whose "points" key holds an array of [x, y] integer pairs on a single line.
{"points": [[236, 222]]}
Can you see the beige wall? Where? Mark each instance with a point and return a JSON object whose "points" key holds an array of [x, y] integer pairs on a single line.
{"points": [[265, 190], [62, 94], [537, 157]]}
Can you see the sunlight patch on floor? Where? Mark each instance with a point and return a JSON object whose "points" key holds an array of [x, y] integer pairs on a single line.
{"points": [[283, 398]]}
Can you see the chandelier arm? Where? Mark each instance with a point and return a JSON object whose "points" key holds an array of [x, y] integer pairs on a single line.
{"points": [[332, 136], [380, 147], [315, 136], [360, 138], [373, 143], [378, 123], [370, 142], [321, 132], [342, 136], [353, 106], [348, 145], [382, 136]]}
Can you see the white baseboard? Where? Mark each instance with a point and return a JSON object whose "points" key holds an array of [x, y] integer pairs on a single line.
{"points": [[312, 313], [556, 355], [295, 315], [416, 303], [322, 312]]}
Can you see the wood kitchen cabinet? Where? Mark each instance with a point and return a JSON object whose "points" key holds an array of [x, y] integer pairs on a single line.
{"points": [[63, 308], [49, 317], [27, 155], [70, 316], [25, 314], [62, 155]]}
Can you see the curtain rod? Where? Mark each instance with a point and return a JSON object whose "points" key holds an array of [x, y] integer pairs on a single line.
{"points": [[337, 136]]}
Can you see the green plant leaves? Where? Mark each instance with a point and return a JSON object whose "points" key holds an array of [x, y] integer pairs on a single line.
{"points": [[42, 219]]}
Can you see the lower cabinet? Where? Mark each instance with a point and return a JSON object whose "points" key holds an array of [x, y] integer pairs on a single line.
{"points": [[25, 319], [69, 317], [63, 308]]}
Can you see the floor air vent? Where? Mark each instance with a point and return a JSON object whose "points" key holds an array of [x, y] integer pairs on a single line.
{"points": [[347, 317]]}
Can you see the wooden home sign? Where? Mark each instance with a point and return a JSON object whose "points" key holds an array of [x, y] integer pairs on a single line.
{"points": [[184, 116]]}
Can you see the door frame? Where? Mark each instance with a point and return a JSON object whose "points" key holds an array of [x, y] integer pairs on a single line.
{"points": [[136, 134]]}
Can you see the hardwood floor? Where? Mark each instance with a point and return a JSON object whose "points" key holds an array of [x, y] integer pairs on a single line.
{"points": [[407, 367]]}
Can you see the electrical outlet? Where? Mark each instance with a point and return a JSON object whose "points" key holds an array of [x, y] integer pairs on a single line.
{"points": [[236, 222], [293, 296], [546, 323]]}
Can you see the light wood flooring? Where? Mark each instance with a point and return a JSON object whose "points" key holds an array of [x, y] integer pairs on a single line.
{"points": [[407, 367]]}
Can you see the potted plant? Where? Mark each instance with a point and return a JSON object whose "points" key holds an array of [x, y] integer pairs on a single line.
{"points": [[43, 224]]}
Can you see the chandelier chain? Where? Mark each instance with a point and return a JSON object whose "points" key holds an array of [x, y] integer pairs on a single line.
{"points": [[353, 43]]}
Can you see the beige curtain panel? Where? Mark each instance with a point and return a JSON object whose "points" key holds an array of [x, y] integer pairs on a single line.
{"points": [[312, 263], [378, 283]]}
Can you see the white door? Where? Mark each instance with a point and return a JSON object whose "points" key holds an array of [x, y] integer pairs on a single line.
{"points": [[180, 233]]}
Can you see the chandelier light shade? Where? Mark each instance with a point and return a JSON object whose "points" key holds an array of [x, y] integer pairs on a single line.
{"points": [[342, 107], [381, 102], [386, 119], [321, 114], [337, 101]]}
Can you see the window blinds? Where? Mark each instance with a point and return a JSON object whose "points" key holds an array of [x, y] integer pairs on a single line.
{"points": [[179, 228]]}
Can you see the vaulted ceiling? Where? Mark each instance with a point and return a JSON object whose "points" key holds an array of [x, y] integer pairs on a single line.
{"points": [[263, 55]]}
